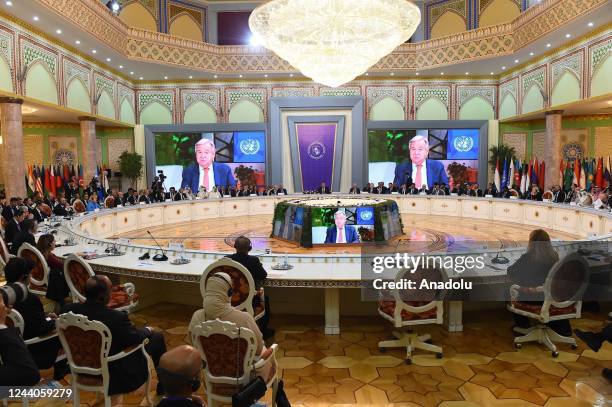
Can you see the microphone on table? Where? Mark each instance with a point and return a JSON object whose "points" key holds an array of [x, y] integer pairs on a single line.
{"points": [[158, 257]]}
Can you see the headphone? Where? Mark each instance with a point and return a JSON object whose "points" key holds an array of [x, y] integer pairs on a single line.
{"points": [[194, 382], [249, 240]]}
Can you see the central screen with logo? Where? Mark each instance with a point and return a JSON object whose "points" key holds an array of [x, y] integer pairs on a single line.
{"points": [[448, 156], [219, 159]]}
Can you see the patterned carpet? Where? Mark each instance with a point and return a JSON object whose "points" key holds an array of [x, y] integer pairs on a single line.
{"points": [[480, 365]]}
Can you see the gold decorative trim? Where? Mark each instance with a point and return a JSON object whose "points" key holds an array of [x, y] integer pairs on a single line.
{"points": [[137, 44]]}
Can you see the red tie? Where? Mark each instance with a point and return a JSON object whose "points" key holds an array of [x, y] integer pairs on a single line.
{"points": [[417, 179], [206, 183], [340, 235]]}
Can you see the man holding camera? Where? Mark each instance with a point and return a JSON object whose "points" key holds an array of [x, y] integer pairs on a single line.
{"points": [[36, 322], [17, 368]]}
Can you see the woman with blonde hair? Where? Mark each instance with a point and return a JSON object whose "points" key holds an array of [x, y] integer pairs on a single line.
{"points": [[531, 270]]}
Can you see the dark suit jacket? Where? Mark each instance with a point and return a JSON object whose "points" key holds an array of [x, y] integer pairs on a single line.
{"points": [[354, 190], [21, 238], [281, 191], [59, 210], [253, 264], [350, 234], [435, 173], [223, 176], [530, 271], [11, 231], [127, 374], [559, 198], [7, 212], [321, 191], [36, 324], [18, 367]]}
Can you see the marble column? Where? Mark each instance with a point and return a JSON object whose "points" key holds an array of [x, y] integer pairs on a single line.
{"points": [[552, 156], [89, 145], [11, 151]]}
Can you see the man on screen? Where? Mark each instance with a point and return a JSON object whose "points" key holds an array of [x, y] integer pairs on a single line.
{"points": [[340, 233], [419, 169], [205, 171]]}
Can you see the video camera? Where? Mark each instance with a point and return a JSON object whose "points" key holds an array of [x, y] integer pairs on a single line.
{"points": [[13, 293]]}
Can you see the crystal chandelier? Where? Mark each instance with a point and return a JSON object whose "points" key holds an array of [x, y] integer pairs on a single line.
{"points": [[334, 41]]}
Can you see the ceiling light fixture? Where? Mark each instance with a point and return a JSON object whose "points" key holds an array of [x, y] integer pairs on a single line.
{"points": [[492, 73], [516, 61], [266, 75], [240, 76], [367, 74], [334, 41], [165, 77], [114, 6], [291, 75], [131, 72], [77, 42], [503, 68], [467, 73], [120, 66], [35, 18], [441, 73], [9, 3], [190, 76], [548, 45], [28, 109], [531, 54], [392, 74], [58, 31], [417, 74], [93, 51], [141, 78], [568, 35], [216, 76], [590, 24], [108, 59]]}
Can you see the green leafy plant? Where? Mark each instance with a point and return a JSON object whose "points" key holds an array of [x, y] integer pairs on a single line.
{"points": [[500, 152], [131, 166]]}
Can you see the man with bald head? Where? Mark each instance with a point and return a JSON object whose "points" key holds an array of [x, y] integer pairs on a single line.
{"points": [[243, 246], [179, 372], [129, 373]]}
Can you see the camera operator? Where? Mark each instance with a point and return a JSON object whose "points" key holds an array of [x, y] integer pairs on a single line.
{"points": [[157, 187], [36, 322], [17, 367]]}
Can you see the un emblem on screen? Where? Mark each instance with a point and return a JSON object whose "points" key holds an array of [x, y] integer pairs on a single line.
{"points": [[249, 146], [316, 150], [463, 143], [366, 215]]}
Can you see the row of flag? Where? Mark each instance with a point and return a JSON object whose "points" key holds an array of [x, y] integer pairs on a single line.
{"points": [[54, 178], [585, 173], [517, 174]]}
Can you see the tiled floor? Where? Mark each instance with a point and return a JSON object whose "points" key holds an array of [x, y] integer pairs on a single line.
{"points": [[480, 365]]}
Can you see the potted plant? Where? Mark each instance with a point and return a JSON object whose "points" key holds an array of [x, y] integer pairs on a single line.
{"points": [[130, 165], [501, 153]]}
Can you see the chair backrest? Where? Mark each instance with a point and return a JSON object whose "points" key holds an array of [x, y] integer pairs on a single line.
{"points": [[40, 273], [514, 192], [109, 202], [548, 195], [45, 209], [243, 284], [14, 319], [4, 253], [229, 351], [79, 206], [86, 343], [420, 300], [76, 272], [2, 265], [565, 283]]}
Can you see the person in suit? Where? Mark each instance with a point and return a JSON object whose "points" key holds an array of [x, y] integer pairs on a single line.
{"points": [[281, 190], [17, 367], [10, 210], [491, 190], [71, 192], [129, 373], [340, 233], [243, 246], [25, 235], [530, 270], [36, 321], [534, 194], [179, 371], [413, 190], [13, 226], [62, 208], [421, 170], [205, 171], [391, 188], [558, 194], [323, 189], [354, 189], [573, 194]]}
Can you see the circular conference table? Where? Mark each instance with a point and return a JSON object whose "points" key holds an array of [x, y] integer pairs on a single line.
{"points": [[330, 273]]}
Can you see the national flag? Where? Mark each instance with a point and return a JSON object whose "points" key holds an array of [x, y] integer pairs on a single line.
{"points": [[534, 172], [511, 173], [562, 167], [38, 179], [576, 179], [31, 181], [52, 180], [523, 178], [28, 190], [589, 174], [81, 183], [528, 176], [58, 177], [496, 179], [504, 177], [517, 173], [599, 175], [583, 174], [66, 172], [47, 181], [542, 175], [568, 178]]}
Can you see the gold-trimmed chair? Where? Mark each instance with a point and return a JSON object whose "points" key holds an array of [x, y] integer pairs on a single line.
{"points": [[562, 291], [87, 345], [77, 271], [78, 206], [39, 278], [425, 307], [243, 285], [231, 359], [548, 194]]}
